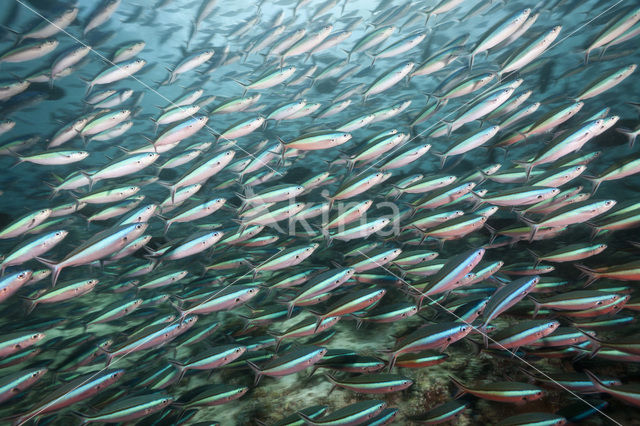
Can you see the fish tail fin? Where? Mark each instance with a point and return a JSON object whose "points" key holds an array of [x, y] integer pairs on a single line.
{"points": [[55, 268], [534, 226], [441, 156], [180, 310], [631, 135], [330, 200], [449, 125], [244, 86], [350, 164], [109, 357], [597, 383], [307, 419], [19, 158], [348, 55], [595, 182], [485, 337], [81, 416], [284, 150], [172, 77], [180, 367], [89, 86], [590, 273], [89, 176], [594, 232], [461, 388], [597, 343], [290, 307], [373, 58], [528, 167], [30, 304], [171, 187], [318, 322], [478, 200], [243, 202], [54, 190], [279, 340], [254, 272], [587, 52], [535, 256], [331, 379], [323, 230], [256, 370], [167, 223], [392, 360], [492, 231], [536, 305]]}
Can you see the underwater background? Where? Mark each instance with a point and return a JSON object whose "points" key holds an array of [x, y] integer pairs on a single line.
{"points": [[394, 212]]}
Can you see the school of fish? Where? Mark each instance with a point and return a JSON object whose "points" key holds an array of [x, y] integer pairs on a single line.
{"points": [[206, 204]]}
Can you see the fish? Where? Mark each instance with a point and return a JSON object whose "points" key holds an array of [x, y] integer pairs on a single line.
{"points": [[523, 334], [289, 362], [61, 294], [129, 408], [538, 417], [505, 297], [615, 28], [354, 302], [431, 336], [151, 336], [211, 395], [441, 413], [19, 381], [355, 413], [627, 271], [627, 393], [96, 248], [216, 357], [513, 392], [79, 389], [372, 383]]}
